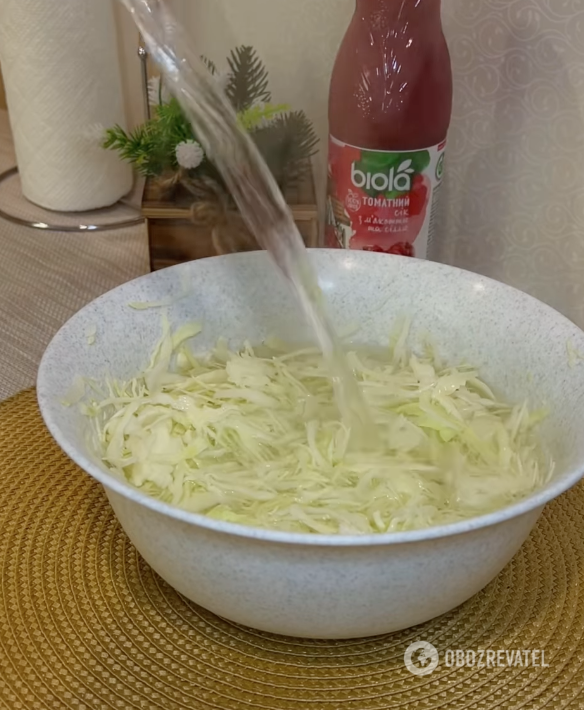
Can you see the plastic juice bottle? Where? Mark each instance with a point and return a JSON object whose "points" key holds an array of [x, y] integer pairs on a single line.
{"points": [[389, 112]]}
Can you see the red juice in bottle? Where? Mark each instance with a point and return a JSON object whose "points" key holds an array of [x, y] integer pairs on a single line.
{"points": [[389, 111]]}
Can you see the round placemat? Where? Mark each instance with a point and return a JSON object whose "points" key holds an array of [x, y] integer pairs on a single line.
{"points": [[85, 623]]}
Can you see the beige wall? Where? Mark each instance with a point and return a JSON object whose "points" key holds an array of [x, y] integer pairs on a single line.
{"points": [[297, 39]]}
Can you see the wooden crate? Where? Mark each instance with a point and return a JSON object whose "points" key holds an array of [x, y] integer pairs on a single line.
{"points": [[173, 238]]}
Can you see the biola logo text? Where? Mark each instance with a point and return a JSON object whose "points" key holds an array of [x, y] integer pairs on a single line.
{"points": [[400, 180]]}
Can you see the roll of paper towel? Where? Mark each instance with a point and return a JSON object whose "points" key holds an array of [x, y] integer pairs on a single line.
{"points": [[63, 87]]}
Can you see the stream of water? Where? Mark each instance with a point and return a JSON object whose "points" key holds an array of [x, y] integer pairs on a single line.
{"points": [[253, 188]]}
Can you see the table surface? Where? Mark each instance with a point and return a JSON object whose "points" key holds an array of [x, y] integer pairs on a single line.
{"points": [[46, 277]]}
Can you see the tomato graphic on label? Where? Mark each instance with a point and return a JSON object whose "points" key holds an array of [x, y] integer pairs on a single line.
{"points": [[419, 196], [401, 249]]}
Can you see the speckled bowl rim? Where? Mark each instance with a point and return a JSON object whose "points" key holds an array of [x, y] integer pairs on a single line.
{"points": [[533, 502]]}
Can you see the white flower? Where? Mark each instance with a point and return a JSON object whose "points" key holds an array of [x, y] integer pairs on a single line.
{"points": [[94, 134], [189, 154], [156, 96]]}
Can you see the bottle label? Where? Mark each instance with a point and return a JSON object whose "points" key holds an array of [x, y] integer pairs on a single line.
{"points": [[383, 201]]}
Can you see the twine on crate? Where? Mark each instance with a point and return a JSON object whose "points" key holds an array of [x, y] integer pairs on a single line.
{"points": [[213, 210]]}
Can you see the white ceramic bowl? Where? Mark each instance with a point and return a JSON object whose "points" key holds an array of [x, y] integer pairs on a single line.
{"points": [[325, 586]]}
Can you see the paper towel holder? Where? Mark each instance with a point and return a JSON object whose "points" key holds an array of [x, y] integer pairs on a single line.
{"points": [[144, 59], [49, 227]]}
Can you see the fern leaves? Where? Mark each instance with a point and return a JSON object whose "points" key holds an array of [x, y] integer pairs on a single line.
{"points": [[285, 138], [249, 79], [287, 144]]}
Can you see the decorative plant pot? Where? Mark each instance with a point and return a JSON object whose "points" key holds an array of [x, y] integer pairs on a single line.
{"points": [[173, 236]]}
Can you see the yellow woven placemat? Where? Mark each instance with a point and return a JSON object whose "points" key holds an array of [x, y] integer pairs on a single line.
{"points": [[84, 622]]}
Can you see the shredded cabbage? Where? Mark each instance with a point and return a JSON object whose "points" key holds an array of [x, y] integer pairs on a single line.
{"points": [[254, 437]]}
